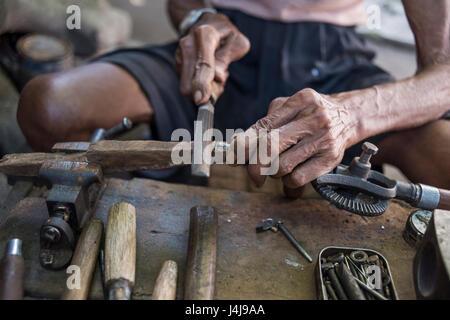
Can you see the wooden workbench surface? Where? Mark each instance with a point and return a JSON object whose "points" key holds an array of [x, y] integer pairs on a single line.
{"points": [[249, 265]]}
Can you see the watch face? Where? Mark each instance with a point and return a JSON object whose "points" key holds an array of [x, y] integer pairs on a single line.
{"points": [[419, 221]]}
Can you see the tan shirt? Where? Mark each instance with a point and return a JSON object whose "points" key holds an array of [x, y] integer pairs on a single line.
{"points": [[340, 12]]}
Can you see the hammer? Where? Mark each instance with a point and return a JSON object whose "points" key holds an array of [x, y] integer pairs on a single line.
{"points": [[120, 251]]}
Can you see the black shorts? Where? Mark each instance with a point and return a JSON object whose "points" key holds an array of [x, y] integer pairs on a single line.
{"points": [[284, 58]]}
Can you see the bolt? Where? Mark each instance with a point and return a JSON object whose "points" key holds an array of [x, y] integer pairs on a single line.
{"points": [[126, 125], [51, 234], [328, 269], [331, 293], [336, 258], [369, 150]]}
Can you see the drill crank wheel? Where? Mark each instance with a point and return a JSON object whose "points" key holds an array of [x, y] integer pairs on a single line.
{"points": [[357, 188], [353, 201]]}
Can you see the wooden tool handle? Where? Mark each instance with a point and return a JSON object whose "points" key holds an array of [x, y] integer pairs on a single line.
{"points": [[120, 250], [444, 202], [85, 257], [200, 167], [202, 254], [166, 284]]}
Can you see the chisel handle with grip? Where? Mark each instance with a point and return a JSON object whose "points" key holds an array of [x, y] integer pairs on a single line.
{"points": [[120, 251], [12, 271], [200, 168], [85, 257], [166, 284]]}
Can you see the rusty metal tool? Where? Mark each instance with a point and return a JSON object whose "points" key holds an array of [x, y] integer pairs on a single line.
{"points": [[85, 258], [366, 192], [75, 189], [11, 272], [269, 224], [120, 251], [365, 287], [203, 135], [330, 291], [166, 284], [349, 283], [202, 254], [101, 134], [328, 269]]}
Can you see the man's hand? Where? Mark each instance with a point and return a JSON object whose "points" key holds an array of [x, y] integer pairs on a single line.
{"points": [[203, 56], [314, 132]]}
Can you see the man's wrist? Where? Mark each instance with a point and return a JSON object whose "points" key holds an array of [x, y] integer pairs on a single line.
{"points": [[354, 106]]}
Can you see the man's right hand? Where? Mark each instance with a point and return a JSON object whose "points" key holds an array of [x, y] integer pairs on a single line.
{"points": [[203, 56]]}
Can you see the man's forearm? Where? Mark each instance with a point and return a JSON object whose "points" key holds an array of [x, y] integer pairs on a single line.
{"points": [[420, 99], [178, 9], [399, 105]]}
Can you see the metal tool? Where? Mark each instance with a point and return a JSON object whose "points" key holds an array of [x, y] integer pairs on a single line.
{"points": [[359, 257], [328, 270], [330, 291], [120, 251], [348, 264], [347, 280], [101, 134], [269, 224], [416, 226], [11, 272], [75, 189], [370, 290], [203, 135], [360, 190]]}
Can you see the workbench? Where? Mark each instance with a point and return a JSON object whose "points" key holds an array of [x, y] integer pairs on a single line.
{"points": [[249, 265]]}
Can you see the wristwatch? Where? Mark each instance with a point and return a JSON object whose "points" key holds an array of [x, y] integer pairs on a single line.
{"points": [[192, 18]]}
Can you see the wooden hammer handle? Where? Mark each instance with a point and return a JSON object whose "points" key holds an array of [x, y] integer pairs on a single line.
{"points": [[166, 284], [85, 257], [200, 167], [120, 251], [202, 254]]}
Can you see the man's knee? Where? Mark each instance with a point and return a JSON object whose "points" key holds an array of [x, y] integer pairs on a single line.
{"points": [[40, 113], [421, 153]]}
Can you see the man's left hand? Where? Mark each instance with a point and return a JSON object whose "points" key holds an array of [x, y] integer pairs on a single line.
{"points": [[314, 132]]}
